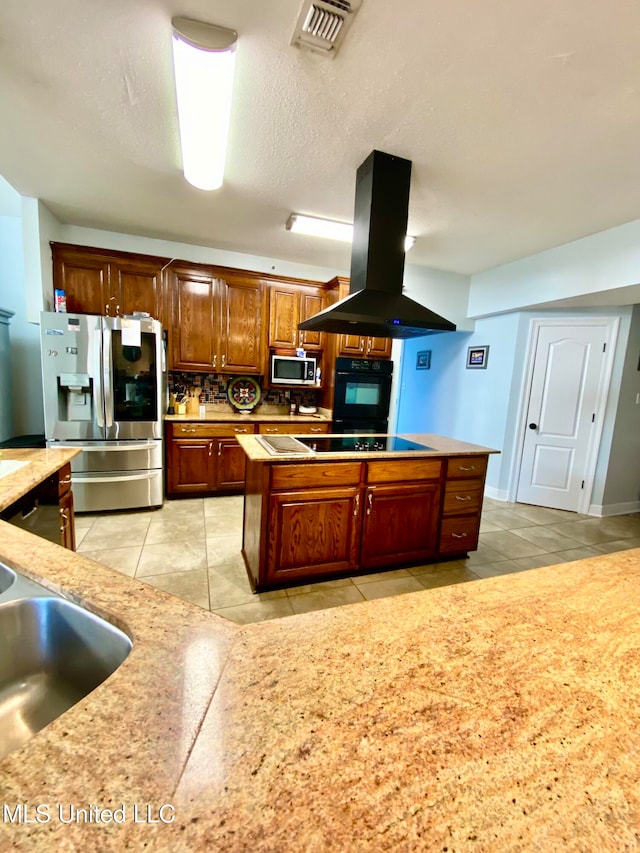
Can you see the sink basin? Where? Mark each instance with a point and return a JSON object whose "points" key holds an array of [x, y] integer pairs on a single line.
{"points": [[52, 654], [7, 578]]}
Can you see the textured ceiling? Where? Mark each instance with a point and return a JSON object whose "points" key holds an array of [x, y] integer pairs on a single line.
{"points": [[522, 121]]}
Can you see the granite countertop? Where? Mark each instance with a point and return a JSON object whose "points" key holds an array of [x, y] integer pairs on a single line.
{"points": [[41, 463], [223, 414], [500, 714], [436, 445]]}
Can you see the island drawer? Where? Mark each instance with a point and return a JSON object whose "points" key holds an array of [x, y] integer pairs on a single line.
{"points": [[204, 430], [403, 470], [459, 534], [466, 466], [462, 496], [301, 475]]}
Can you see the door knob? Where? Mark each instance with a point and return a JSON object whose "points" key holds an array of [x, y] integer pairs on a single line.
{"points": [[533, 426]]}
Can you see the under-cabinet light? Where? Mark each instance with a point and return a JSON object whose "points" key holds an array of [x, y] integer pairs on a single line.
{"points": [[203, 62], [329, 228]]}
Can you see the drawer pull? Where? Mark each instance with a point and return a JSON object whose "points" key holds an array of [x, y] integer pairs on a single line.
{"points": [[271, 429], [237, 429], [316, 429], [463, 497], [459, 535], [65, 481], [184, 429], [466, 467]]}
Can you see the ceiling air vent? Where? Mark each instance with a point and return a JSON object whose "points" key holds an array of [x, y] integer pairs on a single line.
{"points": [[322, 24]]}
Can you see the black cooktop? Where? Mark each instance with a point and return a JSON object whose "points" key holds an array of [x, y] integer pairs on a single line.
{"points": [[362, 443]]}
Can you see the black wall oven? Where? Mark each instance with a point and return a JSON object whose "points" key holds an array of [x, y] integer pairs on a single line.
{"points": [[362, 395]]}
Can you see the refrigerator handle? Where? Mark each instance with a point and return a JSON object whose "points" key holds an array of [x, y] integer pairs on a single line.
{"points": [[106, 376], [98, 390]]}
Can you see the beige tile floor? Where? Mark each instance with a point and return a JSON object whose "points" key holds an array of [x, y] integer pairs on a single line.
{"points": [[191, 549]]}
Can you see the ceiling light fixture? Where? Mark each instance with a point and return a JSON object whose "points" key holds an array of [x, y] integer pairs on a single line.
{"points": [[329, 228], [203, 61]]}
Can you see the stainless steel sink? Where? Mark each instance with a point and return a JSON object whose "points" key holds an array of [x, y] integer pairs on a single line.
{"points": [[52, 654], [7, 578]]}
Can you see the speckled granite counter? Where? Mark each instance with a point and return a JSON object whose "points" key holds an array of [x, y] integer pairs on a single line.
{"points": [[221, 414], [495, 715], [435, 445], [41, 463]]}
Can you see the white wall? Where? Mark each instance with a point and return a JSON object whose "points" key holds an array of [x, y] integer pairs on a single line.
{"points": [[608, 261]]}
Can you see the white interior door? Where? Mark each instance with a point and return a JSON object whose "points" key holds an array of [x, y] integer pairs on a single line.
{"points": [[562, 414]]}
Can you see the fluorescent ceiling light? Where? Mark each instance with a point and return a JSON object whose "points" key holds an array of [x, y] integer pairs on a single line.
{"points": [[315, 227], [203, 61]]}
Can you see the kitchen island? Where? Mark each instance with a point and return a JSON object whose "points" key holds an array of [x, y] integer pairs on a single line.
{"points": [[496, 715], [338, 506]]}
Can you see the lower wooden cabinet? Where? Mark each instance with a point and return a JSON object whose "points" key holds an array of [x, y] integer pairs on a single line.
{"points": [[47, 510], [204, 458], [293, 428], [304, 521], [462, 504], [400, 524]]}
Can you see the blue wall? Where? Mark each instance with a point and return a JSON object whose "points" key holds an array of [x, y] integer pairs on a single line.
{"points": [[449, 399]]}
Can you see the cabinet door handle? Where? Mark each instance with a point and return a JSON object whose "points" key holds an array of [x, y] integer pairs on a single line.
{"points": [[65, 481], [219, 449], [459, 535], [210, 448], [361, 345], [215, 360], [369, 502], [466, 467], [463, 498], [224, 358], [356, 505]]}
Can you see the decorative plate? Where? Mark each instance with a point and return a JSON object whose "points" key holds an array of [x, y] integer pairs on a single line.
{"points": [[244, 393]]}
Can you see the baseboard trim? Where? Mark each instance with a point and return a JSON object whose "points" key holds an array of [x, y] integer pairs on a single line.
{"points": [[614, 509], [496, 494]]}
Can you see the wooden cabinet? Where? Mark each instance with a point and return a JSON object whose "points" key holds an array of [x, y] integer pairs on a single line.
{"points": [[318, 519], [462, 504], [108, 283], [47, 510], [204, 458], [401, 509], [216, 322], [289, 305], [295, 429], [356, 345], [314, 522]]}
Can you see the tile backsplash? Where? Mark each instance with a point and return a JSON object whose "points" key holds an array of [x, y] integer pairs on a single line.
{"points": [[214, 386]]}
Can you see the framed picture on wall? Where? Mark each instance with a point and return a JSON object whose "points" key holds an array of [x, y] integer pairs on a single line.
{"points": [[423, 360], [477, 357]]}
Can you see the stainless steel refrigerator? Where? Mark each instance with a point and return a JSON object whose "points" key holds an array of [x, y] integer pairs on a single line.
{"points": [[104, 382]]}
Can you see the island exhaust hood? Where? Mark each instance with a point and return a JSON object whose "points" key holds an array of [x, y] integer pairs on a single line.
{"points": [[376, 305]]}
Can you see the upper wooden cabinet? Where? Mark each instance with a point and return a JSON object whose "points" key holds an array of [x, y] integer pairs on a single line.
{"points": [[108, 282], [289, 305], [357, 345], [216, 320]]}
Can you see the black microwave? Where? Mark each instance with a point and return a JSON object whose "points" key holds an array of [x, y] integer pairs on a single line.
{"points": [[292, 370]]}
